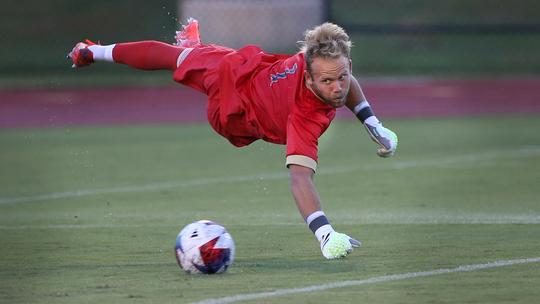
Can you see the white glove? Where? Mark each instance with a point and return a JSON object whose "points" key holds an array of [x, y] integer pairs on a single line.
{"points": [[337, 245], [385, 138]]}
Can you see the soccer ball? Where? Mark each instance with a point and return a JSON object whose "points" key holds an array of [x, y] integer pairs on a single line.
{"points": [[204, 247]]}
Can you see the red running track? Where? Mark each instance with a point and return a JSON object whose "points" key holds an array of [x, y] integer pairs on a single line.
{"points": [[178, 104]]}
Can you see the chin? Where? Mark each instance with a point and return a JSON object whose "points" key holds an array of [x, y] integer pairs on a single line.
{"points": [[337, 104]]}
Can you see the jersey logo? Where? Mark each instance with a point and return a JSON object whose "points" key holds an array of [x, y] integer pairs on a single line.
{"points": [[274, 78]]}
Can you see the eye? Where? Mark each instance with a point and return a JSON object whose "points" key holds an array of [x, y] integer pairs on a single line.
{"points": [[327, 81]]}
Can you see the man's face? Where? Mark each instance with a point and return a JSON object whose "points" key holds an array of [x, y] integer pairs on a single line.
{"points": [[330, 79]]}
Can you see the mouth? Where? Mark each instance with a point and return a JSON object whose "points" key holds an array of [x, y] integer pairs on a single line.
{"points": [[338, 101]]}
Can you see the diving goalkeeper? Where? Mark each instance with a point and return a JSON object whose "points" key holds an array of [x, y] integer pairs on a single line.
{"points": [[283, 99]]}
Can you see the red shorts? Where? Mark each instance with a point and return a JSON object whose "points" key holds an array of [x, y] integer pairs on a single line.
{"points": [[200, 69]]}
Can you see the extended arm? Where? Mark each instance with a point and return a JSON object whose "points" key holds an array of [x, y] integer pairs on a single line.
{"points": [[333, 244], [355, 96], [303, 189]]}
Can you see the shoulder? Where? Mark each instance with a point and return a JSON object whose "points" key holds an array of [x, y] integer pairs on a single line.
{"points": [[286, 72], [296, 60]]}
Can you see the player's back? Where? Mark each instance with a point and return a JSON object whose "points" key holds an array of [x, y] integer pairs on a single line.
{"points": [[275, 88], [252, 94]]}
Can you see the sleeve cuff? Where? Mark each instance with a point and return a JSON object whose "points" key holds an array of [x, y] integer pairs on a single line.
{"points": [[302, 160]]}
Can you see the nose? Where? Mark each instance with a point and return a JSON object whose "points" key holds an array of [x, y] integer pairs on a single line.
{"points": [[336, 88]]}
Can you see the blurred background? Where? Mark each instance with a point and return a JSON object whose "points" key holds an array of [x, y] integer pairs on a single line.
{"points": [[101, 166], [458, 38]]}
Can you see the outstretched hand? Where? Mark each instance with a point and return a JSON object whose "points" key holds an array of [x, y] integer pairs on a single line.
{"points": [[337, 245], [385, 138]]}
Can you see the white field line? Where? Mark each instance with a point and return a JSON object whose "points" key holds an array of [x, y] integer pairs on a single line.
{"points": [[143, 188], [369, 281], [473, 159]]}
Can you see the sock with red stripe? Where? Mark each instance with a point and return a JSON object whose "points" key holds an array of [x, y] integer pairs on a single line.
{"points": [[144, 55]]}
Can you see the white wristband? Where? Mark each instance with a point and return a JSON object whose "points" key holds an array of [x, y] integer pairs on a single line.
{"points": [[360, 106]]}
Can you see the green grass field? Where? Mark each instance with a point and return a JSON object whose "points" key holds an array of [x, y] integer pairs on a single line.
{"points": [[90, 214]]}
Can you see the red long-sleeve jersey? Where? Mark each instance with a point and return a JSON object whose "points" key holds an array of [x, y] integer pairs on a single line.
{"points": [[255, 95]]}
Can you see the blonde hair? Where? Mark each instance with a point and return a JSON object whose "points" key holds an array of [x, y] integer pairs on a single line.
{"points": [[327, 40]]}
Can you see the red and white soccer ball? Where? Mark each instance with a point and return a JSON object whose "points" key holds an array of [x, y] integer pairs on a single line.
{"points": [[204, 247]]}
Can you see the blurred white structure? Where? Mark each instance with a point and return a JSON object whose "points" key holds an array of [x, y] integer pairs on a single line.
{"points": [[274, 25]]}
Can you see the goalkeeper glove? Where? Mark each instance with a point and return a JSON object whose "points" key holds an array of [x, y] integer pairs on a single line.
{"points": [[385, 138], [337, 245]]}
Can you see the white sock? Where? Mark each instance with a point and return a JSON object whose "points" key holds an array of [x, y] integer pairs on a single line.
{"points": [[102, 52]]}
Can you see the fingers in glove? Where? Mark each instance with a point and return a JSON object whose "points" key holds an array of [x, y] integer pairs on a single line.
{"points": [[384, 152], [355, 243]]}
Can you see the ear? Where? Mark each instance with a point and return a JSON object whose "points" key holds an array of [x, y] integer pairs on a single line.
{"points": [[309, 80], [350, 66]]}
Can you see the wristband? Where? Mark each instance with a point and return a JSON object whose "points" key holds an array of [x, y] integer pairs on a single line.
{"points": [[363, 111]]}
